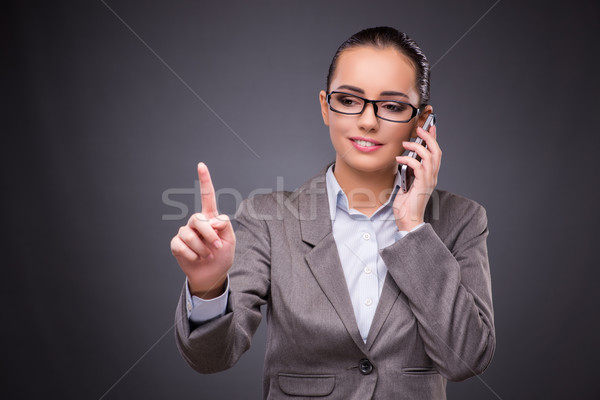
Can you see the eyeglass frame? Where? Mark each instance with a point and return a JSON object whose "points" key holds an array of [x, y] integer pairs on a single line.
{"points": [[415, 111]]}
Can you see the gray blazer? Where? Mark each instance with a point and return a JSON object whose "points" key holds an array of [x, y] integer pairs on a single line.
{"points": [[434, 320]]}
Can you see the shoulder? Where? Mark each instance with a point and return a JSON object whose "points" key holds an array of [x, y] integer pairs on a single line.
{"points": [[284, 202], [451, 214], [264, 207], [453, 203]]}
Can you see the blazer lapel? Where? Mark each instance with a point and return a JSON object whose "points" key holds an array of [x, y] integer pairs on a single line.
{"points": [[325, 264], [391, 293], [389, 296], [323, 259]]}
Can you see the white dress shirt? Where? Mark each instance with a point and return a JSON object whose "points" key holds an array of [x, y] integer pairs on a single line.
{"points": [[358, 239]]}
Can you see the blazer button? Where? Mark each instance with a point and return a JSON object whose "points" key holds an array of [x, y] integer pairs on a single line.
{"points": [[365, 366]]}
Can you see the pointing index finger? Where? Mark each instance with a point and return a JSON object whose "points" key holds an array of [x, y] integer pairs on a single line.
{"points": [[207, 192]]}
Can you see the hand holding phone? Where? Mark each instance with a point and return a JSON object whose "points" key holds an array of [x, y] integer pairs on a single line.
{"points": [[407, 174]]}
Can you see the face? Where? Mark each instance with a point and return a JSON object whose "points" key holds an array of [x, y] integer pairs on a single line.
{"points": [[368, 72]]}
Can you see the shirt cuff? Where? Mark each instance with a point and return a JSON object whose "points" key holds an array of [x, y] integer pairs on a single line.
{"points": [[400, 234], [201, 310]]}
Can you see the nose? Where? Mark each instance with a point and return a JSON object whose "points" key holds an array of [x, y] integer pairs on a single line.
{"points": [[368, 119]]}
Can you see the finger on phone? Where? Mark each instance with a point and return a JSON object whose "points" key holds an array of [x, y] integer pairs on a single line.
{"points": [[207, 191], [411, 162], [433, 145]]}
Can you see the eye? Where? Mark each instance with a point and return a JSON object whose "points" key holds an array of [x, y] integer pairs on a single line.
{"points": [[348, 101], [394, 107]]}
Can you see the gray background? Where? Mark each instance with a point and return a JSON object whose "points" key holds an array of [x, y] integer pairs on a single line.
{"points": [[96, 128]]}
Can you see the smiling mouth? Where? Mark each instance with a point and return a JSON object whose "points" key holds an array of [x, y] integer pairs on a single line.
{"points": [[365, 143]]}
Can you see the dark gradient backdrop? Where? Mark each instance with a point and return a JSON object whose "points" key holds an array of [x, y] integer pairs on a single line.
{"points": [[101, 139]]}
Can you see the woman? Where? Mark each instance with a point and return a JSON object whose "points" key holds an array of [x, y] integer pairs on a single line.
{"points": [[372, 292]]}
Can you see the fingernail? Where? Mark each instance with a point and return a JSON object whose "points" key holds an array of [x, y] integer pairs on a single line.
{"points": [[217, 243]]}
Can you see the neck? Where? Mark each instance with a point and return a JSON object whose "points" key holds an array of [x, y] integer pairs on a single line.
{"points": [[366, 190]]}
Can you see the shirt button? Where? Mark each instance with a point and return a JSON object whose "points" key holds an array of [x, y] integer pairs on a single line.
{"points": [[366, 236], [368, 302], [367, 270], [189, 306]]}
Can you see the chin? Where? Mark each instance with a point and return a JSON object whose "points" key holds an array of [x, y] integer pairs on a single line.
{"points": [[370, 165]]}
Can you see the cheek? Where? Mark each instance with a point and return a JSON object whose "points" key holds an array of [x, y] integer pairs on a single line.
{"points": [[340, 125], [340, 129], [406, 133], [395, 139], [396, 147]]}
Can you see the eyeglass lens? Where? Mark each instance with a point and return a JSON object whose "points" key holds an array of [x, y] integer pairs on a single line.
{"points": [[388, 109]]}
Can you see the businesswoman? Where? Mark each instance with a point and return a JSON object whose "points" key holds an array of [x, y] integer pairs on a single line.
{"points": [[371, 292]]}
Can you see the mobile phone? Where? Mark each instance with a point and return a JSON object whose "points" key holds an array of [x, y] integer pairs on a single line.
{"points": [[407, 174]]}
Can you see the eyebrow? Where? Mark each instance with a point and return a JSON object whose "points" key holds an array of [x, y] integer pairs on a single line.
{"points": [[385, 93]]}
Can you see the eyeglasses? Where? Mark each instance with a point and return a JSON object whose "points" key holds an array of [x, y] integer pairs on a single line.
{"points": [[389, 110]]}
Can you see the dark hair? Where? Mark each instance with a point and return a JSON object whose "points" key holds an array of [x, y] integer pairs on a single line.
{"points": [[382, 37]]}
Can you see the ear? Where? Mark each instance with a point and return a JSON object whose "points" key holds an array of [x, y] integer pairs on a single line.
{"points": [[422, 118], [324, 107]]}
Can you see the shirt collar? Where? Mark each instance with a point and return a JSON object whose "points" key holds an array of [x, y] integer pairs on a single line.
{"points": [[337, 197]]}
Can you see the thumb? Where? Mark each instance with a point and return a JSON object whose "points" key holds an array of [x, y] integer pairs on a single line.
{"points": [[222, 225]]}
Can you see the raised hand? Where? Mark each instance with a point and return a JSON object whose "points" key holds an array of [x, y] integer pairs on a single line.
{"points": [[409, 207], [205, 246]]}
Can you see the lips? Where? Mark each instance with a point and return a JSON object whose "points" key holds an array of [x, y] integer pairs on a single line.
{"points": [[364, 139], [364, 144]]}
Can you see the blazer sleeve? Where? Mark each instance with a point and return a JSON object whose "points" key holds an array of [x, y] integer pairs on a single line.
{"points": [[216, 345], [449, 291]]}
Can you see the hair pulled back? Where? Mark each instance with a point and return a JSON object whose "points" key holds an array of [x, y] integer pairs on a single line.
{"points": [[383, 37]]}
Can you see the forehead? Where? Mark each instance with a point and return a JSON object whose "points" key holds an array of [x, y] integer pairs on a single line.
{"points": [[375, 70]]}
